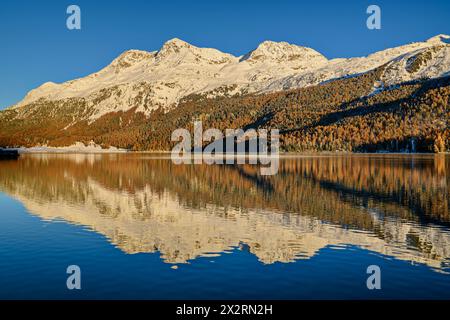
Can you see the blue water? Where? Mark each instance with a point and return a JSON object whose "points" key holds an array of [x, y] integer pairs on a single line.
{"points": [[35, 252]]}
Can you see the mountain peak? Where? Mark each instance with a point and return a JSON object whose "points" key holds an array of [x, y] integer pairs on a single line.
{"points": [[176, 51], [282, 52], [269, 44], [174, 45], [176, 42], [440, 38]]}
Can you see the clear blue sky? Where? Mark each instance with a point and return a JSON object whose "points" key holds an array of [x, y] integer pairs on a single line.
{"points": [[37, 47]]}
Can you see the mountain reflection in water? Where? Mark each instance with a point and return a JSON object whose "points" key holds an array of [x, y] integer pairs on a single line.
{"points": [[395, 205]]}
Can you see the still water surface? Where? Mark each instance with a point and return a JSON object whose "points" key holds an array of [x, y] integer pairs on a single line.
{"points": [[140, 227]]}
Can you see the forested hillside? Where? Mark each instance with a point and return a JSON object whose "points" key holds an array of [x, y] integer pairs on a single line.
{"points": [[354, 114]]}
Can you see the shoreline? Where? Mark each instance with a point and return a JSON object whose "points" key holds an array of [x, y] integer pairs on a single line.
{"points": [[24, 151], [92, 148]]}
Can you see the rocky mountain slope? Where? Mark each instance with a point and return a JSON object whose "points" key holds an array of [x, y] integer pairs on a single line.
{"points": [[148, 80]]}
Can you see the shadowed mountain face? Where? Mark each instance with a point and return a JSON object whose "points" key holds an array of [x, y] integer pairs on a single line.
{"points": [[393, 205]]}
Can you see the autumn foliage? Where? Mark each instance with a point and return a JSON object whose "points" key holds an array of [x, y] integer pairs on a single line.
{"points": [[346, 115]]}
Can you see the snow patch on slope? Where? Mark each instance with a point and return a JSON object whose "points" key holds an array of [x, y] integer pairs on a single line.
{"points": [[77, 147]]}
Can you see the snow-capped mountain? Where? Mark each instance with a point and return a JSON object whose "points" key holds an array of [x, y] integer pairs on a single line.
{"points": [[149, 80]]}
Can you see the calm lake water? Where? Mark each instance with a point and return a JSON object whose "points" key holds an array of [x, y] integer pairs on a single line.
{"points": [[141, 227]]}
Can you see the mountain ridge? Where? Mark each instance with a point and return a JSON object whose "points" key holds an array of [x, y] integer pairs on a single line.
{"points": [[179, 69], [141, 97]]}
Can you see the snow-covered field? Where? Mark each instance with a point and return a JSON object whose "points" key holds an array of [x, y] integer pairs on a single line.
{"points": [[78, 147]]}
